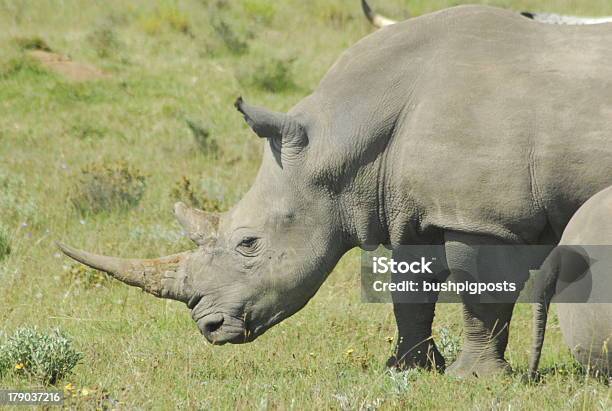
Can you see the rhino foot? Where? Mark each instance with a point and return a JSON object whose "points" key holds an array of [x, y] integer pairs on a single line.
{"points": [[470, 365], [425, 356]]}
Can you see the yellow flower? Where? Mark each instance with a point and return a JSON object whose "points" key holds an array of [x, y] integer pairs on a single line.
{"points": [[84, 392], [349, 352], [19, 366], [69, 387]]}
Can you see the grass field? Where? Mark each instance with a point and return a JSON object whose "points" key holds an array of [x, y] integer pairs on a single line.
{"points": [[123, 136]]}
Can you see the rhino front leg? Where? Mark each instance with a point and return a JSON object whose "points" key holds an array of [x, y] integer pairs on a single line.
{"points": [[414, 314], [415, 345], [486, 325]]}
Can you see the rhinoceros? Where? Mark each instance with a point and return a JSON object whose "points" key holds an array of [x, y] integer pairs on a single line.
{"points": [[471, 125], [381, 21], [586, 327]]}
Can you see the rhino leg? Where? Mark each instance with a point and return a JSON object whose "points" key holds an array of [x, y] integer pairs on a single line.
{"points": [[415, 345], [486, 325], [486, 329]]}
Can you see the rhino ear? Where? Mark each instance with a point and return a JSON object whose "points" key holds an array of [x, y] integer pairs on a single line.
{"points": [[270, 124]]}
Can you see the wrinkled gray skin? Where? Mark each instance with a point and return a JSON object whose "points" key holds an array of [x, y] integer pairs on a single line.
{"points": [[381, 21], [586, 327], [452, 128]]}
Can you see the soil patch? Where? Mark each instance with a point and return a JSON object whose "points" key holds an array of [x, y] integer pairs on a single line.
{"points": [[72, 70]]}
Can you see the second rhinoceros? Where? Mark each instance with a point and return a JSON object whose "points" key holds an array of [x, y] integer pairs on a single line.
{"points": [[472, 125], [380, 21], [586, 326]]}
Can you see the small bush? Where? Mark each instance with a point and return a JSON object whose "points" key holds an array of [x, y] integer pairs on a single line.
{"points": [[78, 275], [151, 25], [107, 187], [201, 135], [219, 4], [5, 244], [32, 43], [176, 20], [260, 10], [166, 17], [449, 344], [230, 38], [274, 75], [46, 357], [183, 191], [104, 41]]}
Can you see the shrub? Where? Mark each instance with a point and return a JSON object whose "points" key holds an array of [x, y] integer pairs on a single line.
{"points": [[32, 43], [183, 191], [202, 138], [107, 187], [260, 10], [232, 41], [401, 381], [176, 20], [46, 357], [274, 75], [165, 17], [151, 25], [104, 41], [218, 4], [449, 344], [5, 244], [77, 274]]}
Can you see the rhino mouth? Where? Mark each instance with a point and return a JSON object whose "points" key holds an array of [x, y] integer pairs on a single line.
{"points": [[220, 329]]}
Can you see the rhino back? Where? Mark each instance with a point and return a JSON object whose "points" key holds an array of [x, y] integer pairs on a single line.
{"points": [[485, 121]]}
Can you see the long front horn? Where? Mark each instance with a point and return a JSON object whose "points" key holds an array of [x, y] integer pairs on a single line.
{"points": [[163, 277], [376, 19]]}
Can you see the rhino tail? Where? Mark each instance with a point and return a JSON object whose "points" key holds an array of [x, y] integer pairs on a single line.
{"points": [[540, 318], [565, 264], [544, 292]]}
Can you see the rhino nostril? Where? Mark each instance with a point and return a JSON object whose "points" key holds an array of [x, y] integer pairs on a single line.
{"points": [[212, 323]]}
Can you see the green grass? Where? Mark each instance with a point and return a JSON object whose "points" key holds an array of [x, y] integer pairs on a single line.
{"points": [[169, 62]]}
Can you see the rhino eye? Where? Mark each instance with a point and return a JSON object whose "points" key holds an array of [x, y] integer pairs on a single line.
{"points": [[248, 246]]}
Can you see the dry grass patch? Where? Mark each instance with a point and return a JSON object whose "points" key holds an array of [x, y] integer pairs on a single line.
{"points": [[63, 65]]}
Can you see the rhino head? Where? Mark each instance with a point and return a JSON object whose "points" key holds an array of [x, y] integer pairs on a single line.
{"points": [[261, 261]]}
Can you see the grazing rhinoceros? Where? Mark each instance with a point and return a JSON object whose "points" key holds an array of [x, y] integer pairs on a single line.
{"points": [[381, 21], [586, 327], [472, 125]]}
